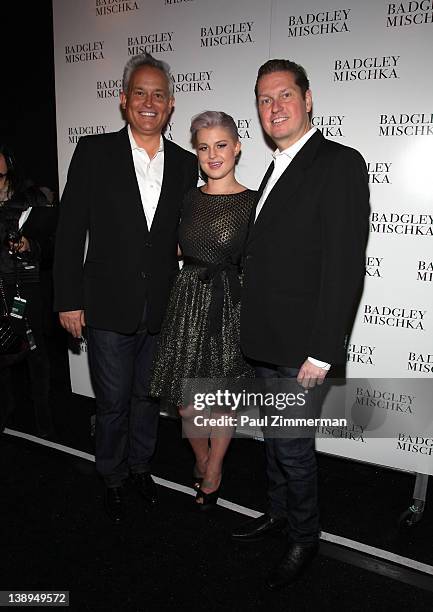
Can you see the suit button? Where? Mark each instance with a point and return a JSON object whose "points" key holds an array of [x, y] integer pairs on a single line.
{"points": [[148, 244], [248, 256], [144, 275]]}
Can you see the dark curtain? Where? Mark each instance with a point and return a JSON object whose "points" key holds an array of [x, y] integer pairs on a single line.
{"points": [[28, 117]]}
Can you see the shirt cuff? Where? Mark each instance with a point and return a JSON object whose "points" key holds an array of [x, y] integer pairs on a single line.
{"points": [[319, 364]]}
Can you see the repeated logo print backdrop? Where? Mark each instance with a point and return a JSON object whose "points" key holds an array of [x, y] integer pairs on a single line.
{"points": [[369, 67]]}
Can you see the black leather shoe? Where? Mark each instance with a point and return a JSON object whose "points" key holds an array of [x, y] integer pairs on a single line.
{"points": [[146, 487], [296, 560], [259, 528], [114, 504]]}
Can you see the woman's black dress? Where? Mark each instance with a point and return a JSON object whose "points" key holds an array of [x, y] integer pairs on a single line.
{"points": [[200, 333]]}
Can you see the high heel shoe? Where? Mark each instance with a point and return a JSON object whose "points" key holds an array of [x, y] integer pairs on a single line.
{"points": [[209, 500], [197, 479]]}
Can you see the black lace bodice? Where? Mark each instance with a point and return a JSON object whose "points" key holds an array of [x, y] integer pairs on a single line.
{"points": [[213, 227]]}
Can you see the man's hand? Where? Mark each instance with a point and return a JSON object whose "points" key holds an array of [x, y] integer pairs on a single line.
{"points": [[310, 375], [20, 247], [73, 321]]}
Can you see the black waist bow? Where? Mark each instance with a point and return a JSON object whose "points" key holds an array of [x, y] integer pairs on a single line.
{"points": [[214, 272]]}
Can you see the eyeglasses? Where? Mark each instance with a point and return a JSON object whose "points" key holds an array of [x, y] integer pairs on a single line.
{"points": [[3, 175]]}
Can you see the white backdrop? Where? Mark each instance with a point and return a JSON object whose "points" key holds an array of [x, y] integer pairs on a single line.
{"points": [[369, 65]]}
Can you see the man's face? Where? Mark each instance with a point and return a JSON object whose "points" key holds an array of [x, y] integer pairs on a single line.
{"points": [[148, 103], [282, 109]]}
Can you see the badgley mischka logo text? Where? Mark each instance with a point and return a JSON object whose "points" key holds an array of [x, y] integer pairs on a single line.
{"points": [[316, 24], [379, 173], [360, 353], [115, 7], [160, 42], [110, 88], [425, 271], [415, 444], [188, 82], [387, 400], [331, 126], [420, 362], [415, 12], [366, 69], [74, 133], [228, 34], [84, 52], [405, 124], [350, 432], [403, 224], [394, 316], [373, 267], [244, 128], [169, 130]]}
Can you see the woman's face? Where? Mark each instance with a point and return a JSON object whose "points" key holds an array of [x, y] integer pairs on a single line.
{"points": [[217, 151], [3, 171]]}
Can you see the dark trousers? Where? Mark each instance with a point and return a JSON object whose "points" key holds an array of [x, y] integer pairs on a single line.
{"points": [[292, 473], [126, 417]]}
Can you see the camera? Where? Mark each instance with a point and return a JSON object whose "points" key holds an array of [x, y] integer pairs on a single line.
{"points": [[10, 234], [13, 236], [11, 240]]}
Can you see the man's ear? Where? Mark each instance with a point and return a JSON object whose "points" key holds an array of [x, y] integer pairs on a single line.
{"points": [[308, 100]]}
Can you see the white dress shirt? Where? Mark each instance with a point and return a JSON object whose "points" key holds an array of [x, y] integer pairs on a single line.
{"points": [[149, 173], [282, 160], [24, 216]]}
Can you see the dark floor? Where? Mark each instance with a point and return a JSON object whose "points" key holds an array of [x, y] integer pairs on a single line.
{"points": [[56, 536]]}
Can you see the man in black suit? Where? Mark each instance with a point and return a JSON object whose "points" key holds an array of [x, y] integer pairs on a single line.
{"points": [[124, 190], [304, 268]]}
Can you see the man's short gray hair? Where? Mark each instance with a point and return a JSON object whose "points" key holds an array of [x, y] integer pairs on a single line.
{"points": [[145, 59]]}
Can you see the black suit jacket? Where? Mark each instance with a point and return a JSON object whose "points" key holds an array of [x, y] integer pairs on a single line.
{"points": [[305, 258], [126, 264]]}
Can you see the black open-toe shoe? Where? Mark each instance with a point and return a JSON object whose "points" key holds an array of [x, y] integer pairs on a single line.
{"points": [[209, 500]]}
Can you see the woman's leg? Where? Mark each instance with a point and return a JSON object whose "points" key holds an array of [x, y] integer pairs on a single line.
{"points": [[220, 438], [198, 437], [210, 445]]}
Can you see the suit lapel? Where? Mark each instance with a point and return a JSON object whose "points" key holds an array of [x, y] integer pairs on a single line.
{"points": [[287, 184], [265, 180], [259, 195], [170, 180], [126, 172]]}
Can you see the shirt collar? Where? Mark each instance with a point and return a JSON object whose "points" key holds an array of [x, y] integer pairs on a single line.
{"points": [[135, 147], [295, 147]]}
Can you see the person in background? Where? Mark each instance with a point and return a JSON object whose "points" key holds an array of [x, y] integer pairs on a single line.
{"points": [[28, 218], [200, 334], [124, 192]]}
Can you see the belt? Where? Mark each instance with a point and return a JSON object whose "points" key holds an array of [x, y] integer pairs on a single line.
{"points": [[213, 272]]}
